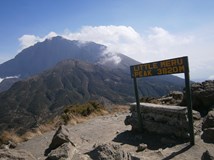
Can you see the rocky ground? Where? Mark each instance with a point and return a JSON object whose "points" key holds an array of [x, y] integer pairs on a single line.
{"points": [[111, 130], [108, 138]]}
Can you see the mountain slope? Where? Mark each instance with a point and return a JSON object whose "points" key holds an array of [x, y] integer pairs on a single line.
{"points": [[30, 102], [7, 83], [47, 54], [93, 73], [35, 100], [44, 55]]}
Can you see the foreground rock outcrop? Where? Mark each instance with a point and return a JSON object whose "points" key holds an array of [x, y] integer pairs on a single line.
{"points": [[209, 120], [202, 96], [207, 156], [173, 98], [61, 146], [64, 152], [110, 129], [208, 127], [111, 152]]}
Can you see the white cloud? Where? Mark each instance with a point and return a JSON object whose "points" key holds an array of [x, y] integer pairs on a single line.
{"points": [[155, 44], [118, 38], [109, 57], [29, 40], [9, 77], [161, 44], [211, 77], [49, 36], [162, 37]]}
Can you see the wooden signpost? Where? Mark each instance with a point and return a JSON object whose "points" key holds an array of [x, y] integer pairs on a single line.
{"points": [[169, 66]]}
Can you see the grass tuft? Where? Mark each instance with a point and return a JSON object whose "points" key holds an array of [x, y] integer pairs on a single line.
{"points": [[72, 114], [7, 136]]}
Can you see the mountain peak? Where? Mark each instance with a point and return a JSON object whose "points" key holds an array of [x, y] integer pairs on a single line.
{"points": [[44, 55], [58, 39]]}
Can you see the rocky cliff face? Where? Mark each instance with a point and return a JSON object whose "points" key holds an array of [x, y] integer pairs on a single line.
{"points": [[202, 96]]}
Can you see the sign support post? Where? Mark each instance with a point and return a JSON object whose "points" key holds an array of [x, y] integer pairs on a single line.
{"points": [[139, 117], [189, 103]]}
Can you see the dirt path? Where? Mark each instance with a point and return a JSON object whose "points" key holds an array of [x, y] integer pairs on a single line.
{"points": [[100, 129], [111, 128]]}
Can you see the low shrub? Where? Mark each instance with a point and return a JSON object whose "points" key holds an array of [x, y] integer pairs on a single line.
{"points": [[7, 136], [84, 110]]}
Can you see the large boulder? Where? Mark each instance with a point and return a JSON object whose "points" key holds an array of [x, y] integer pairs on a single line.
{"points": [[208, 128], [208, 135], [209, 120], [111, 152], [60, 137], [173, 98], [207, 156], [64, 152], [12, 154], [202, 96]]}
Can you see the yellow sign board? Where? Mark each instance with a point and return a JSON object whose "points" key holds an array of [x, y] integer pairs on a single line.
{"points": [[170, 66]]}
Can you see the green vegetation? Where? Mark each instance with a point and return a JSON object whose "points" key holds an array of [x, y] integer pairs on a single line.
{"points": [[85, 109]]}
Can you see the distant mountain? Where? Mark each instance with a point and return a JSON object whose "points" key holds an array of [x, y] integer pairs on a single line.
{"points": [[44, 55], [7, 83], [35, 100], [46, 88], [30, 102]]}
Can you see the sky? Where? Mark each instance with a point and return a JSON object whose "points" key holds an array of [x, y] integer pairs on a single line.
{"points": [[145, 30]]}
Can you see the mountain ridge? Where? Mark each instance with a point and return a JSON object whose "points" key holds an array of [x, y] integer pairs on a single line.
{"points": [[84, 72], [42, 96], [44, 55]]}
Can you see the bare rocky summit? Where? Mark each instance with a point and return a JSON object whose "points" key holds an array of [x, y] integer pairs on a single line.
{"points": [[202, 96], [107, 136], [208, 127]]}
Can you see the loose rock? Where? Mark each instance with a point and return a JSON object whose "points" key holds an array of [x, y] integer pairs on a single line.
{"points": [[209, 120], [64, 152], [208, 135], [141, 147], [60, 137], [207, 156], [111, 152]]}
